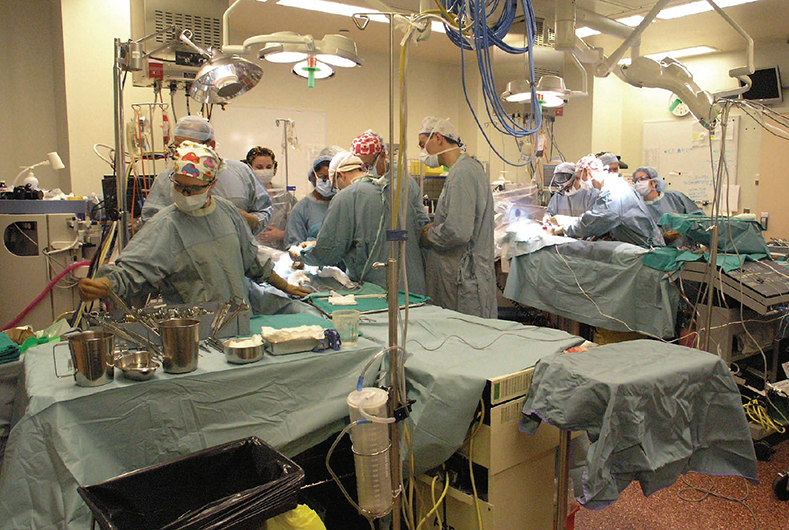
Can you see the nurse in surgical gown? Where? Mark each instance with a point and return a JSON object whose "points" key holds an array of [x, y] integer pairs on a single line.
{"points": [[189, 253], [459, 263], [308, 214]]}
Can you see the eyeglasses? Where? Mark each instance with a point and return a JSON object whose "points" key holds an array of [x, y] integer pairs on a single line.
{"points": [[188, 190]]}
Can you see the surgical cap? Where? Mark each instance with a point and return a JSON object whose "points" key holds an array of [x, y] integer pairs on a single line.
{"points": [[316, 163], [368, 143], [565, 167], [434, 124], [343, 162], [196, 160], [653, 175], [331, 151], [589, 162], [194, 128], [608, 158]]}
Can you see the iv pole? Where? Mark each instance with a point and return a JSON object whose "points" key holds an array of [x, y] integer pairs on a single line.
{"points": [[287, 130]]}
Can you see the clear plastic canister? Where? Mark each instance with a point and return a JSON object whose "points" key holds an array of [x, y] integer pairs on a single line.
{"points": [[371, 451]]}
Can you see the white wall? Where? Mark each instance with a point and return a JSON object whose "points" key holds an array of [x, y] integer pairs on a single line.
{"points": [[31, 107]]}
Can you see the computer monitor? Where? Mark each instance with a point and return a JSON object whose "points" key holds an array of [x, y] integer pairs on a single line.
{"points": [[766, 86]]}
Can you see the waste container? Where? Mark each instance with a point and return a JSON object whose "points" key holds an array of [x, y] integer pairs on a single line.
{"points": [[236, 485]]}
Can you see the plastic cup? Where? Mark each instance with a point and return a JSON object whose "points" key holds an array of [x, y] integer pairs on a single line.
{"points": [[346, 322]]}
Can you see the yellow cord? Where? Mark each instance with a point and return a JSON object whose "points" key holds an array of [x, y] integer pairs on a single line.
{"points": [[437, 504], [759, 415], [481, 417]]}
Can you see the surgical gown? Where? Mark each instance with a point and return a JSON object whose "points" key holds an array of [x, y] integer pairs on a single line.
{"points": [[305, 220], [191, 259], [235, 182], [354, 232], [619, 212], [572, 205], [282, 206], [459, 263], [672, 202]]}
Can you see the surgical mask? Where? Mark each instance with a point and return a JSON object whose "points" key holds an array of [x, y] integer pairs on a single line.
{"points": [[265, 176], [188, 204], [325, 188], [430, 160], [572, 191], [587, 184], [643, 188]]}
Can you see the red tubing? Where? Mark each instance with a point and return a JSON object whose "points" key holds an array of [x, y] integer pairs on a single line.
{"points": [[48, 288]]}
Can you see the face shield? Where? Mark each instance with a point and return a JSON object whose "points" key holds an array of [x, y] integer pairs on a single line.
{"points": [[560, 182]]}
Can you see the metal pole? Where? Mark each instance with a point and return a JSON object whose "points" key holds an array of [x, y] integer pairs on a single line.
{"points": [[393, 289], [120, 149], [563, 482]]}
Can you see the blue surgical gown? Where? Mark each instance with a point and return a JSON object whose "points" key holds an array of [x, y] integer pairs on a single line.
{"points": [[235, 182], [572, 205], [354, 232], [619, 212], [459, 263], [305, 220], [191, 258], [672, 202]]}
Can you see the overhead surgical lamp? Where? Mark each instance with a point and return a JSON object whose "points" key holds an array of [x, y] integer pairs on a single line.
{"points": [[550, 89], [224, 77], [290, 47]]}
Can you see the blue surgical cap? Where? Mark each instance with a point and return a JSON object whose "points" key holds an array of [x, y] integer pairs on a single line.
{"points": [[194, 128], [315, 163], [653, 175]]}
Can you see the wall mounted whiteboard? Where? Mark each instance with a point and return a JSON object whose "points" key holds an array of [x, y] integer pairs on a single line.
{"points": [[238, 129], [680, 151]]}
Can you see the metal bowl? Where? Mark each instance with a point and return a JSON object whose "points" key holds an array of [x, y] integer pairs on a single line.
{"points": [[242, 354], [137, 365]]}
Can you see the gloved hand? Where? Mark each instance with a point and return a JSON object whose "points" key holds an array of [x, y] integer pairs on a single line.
{"points": [[295, 290], [90, 290], [423, 239]]}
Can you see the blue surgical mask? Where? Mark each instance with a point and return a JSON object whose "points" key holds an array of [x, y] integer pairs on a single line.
{"points": [[325, 188]]}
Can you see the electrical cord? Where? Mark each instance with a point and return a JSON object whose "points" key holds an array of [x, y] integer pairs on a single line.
{"points": [[758, 414], [709, 492]]}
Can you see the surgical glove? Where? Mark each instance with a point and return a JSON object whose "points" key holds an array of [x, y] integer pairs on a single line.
{"points": [[424, 241], [90, 290], [296, 290]]}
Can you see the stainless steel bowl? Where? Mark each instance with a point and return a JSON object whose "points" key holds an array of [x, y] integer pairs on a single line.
{"points": [[242, 354], [137, 365]]}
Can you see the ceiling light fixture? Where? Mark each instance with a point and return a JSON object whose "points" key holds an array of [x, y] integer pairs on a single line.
{"points": [[694, 8], [346, 10], [584, 32], [676, 54]]}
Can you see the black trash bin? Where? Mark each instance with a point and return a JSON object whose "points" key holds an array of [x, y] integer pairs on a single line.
{"points": [[236, 485]]}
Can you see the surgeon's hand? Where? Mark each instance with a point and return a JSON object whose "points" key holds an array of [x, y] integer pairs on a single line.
{"points": [[271, 234], [423, 239], [90, 290], [296, 290]]}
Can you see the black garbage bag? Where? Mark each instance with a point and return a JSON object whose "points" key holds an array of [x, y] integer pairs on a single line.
{"points": [[236, 485]]}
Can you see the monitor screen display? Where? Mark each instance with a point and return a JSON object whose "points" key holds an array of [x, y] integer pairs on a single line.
{"points": [[766, 86]]}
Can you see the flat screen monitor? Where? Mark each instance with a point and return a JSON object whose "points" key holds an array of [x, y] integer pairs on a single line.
{"points": [[766, 86]]}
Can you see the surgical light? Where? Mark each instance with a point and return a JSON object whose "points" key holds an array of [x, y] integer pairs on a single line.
{"points": [[312, 69], [551, 91], [338, 50], [224, 77]]}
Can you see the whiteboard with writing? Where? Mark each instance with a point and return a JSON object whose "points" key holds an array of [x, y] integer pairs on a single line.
{"points": [[238, 129], [680, 151]]}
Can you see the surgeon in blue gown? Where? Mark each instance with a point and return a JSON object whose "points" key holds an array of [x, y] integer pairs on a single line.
{"points": [[354, 231], [658, 200], [308, 214], [235, 181], [570, 199], [617, 212], [197, 250], [459, 243]]}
